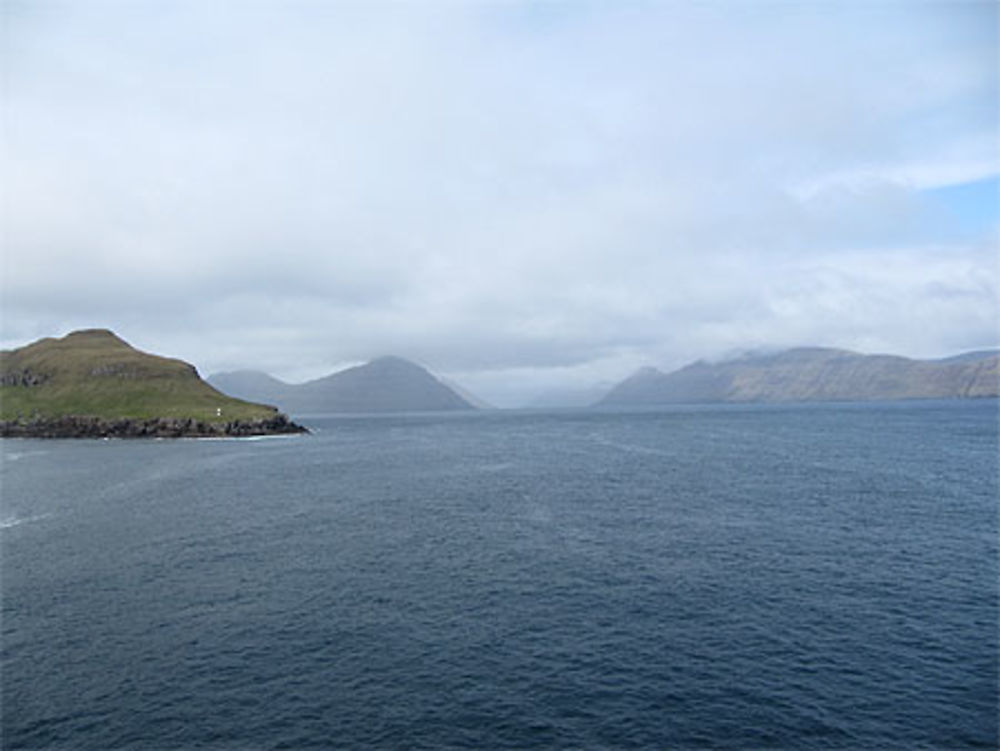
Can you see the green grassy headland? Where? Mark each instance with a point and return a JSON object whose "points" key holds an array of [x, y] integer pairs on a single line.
{"points": [[93, 373]]}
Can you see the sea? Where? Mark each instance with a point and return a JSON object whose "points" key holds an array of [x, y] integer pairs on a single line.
{"points": [[818, 576]]}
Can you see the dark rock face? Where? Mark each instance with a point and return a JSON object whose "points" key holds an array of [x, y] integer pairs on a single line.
{"points": [[161, 427], [115, 370], [25, 378]]}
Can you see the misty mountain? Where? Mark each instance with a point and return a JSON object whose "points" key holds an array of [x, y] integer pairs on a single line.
{"points": [[813, 374], [387, 384], [474, 399], [266, 389]]}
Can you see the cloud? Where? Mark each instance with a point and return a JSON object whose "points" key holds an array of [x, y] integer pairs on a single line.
{"points": [[500, 191]]}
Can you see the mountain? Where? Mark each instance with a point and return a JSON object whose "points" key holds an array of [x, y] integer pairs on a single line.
{"points": [[93, 383], [387, 384], [474, 399], [251, 385], [813, 374]]}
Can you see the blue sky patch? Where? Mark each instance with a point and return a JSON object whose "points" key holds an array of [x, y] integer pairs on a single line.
{"points": [[974, 205]]}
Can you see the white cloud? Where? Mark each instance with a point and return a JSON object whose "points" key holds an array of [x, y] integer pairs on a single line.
{"points": [[505, 191]]}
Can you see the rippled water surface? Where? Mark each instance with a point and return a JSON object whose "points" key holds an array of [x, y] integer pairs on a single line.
{"points": [[739, 577]]}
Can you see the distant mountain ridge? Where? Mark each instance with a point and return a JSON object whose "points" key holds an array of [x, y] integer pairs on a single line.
{"points": [[386, 384], [813, 374]]}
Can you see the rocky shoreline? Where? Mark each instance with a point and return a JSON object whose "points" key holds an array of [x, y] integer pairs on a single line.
{"points": [[160, 427]]}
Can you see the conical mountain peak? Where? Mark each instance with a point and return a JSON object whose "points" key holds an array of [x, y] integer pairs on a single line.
{"points": [[385, 384]]}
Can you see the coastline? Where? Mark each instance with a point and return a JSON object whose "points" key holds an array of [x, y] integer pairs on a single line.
{"points": [[71, 426]]}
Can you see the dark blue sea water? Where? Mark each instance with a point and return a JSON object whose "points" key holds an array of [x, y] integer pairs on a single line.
{"points": [[788, 577]]}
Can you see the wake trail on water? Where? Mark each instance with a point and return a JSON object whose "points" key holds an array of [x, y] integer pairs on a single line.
{"points": [[8, 522]]}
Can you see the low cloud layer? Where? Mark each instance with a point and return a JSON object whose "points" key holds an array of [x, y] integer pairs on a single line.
{"points": [[515, 194]]}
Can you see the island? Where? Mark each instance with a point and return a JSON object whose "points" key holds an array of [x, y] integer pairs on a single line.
{"points": [[92, 384]]}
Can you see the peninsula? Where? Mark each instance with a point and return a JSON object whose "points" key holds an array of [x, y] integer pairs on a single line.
{"points": [[92, 384]]}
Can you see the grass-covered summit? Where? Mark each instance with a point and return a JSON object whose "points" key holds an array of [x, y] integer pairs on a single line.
{"points": [[95, 374]]}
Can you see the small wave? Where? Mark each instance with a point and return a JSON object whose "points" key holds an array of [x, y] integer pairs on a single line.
{"points": [[14, 521], [13, 456], [495, 467], [242, 438], [631, 448]]}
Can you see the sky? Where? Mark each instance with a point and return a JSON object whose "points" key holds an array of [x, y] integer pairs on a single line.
{"points": [[521, 196]]}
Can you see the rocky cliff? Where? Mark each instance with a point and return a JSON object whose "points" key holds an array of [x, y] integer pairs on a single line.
{"points": [[95, 427]]}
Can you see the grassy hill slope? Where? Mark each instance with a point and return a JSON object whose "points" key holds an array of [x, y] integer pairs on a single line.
{"points": [[93, 373]]}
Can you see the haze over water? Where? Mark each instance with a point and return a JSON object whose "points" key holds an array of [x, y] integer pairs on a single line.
{"points": [[819, 576]]}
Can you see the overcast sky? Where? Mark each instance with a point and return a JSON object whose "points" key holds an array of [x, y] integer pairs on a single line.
{"points": [[515, 194]]}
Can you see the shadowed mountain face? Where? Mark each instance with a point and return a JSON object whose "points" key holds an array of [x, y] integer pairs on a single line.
{"points": [[813, 374], [388, 384]]}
